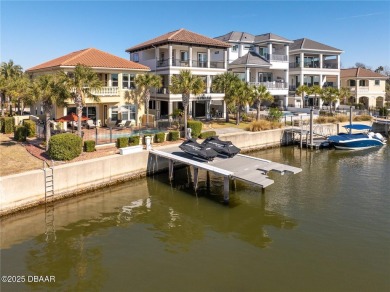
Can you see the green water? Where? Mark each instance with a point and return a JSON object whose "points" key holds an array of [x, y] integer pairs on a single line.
{"points": [[325, 229]]}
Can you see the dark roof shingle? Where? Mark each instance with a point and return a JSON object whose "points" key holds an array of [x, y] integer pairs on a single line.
{"points": [[180, 36], [308, 44], [251, 58]]}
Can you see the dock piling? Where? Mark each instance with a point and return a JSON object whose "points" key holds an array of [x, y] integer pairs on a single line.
{"points": [[226, 189]]}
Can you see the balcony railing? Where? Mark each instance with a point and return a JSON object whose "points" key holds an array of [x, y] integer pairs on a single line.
{"points": [[329, 65], [272, 85], [106, 91], [314, 65], [186, 63]]}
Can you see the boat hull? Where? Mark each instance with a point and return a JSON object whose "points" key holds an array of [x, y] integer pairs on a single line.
{"points": [[355, 144]]}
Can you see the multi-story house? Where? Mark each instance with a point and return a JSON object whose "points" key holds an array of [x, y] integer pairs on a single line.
{"points": [[260, 60], [117, 75], [366, 87], [174, 51], [312, 63]]}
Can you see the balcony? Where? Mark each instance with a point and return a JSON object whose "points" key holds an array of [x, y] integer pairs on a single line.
{"points": [[315, 64], [272, 85], [106, 91], [194, 63]]}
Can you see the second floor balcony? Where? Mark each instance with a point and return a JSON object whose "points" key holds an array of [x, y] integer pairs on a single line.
{"points": [[106, 91], [315, 64], [272, 85], [190, 63]]}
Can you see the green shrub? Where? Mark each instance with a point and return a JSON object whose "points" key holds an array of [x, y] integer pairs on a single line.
{"points": [[20, 133], [30, 125], [196, 128], [9, 124], [89, 146], [1, 125], [134, 140], [207, 134], [160, 137], [122, 142], [65, 146], [174, 135], [274, 114], [383, 112]]}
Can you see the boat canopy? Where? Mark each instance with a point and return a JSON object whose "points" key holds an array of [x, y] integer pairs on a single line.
{"points": [[357, 127]]}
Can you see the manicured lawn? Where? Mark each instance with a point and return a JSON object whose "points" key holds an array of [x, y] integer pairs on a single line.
{"points": [[15, 158], [222, 124]]}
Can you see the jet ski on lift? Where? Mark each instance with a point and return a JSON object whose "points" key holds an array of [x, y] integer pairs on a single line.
{"points": [[197, 150], [222, 147]]}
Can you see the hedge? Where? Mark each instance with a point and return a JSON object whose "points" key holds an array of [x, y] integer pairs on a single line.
{"points": [[207, 134], [31, 126], [89, 146], [9, 124], [122, 142], [65, 146], [196, 128], [160, 137], [20, 133], [134, 140], [174, 135]]}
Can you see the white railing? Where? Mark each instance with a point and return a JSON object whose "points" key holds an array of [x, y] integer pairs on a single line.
{"points": [[106, 91], [272, 84], [363, 89]]}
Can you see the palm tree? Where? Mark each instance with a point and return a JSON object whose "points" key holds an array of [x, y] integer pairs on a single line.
{"points": [[260, 94], [18, 89], [81, 83], [223, 83], [302, 90], [344, 93], [330, 95], [145, 82], [240, 94], [50, 90], [8, 71], [316, 90], [186, 84]]}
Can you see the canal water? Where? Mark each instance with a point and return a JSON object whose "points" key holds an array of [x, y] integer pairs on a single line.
{"points": [[325, 229]]}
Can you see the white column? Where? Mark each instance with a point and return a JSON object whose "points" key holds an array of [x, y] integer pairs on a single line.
{"points": [[270, 50], [224, 113], [338, 81], [302, 78], [208, 83], [225, 58], [302, 55], [247, 75], [208, 58], [170, 110], [170, 55], [321, 59], [338, 62], [286, 77], [287, 51], [190, 56]]}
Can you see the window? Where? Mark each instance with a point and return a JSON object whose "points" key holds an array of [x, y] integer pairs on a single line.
{"points": [[114, 113], [183, 56], [235, 48], [152, 104], [89, 112], [128, 81], [128, 112], [352, 82], [114, 80], [376, 82], [135, 57], [362, 82], [265, 76], [202, 60]]}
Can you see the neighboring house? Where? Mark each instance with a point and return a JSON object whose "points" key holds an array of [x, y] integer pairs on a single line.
{"points": [[181, 49], [367, 87], [312, 63], [261, 59], [117, 94]]}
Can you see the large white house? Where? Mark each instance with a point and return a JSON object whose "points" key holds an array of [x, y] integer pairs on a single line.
{"points": [[181, 49], [312, 63], [260, 60]]}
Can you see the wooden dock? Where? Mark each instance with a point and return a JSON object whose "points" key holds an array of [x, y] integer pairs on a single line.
{"points": [[241, 167]]}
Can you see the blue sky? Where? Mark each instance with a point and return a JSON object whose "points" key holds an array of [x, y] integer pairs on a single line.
{"points": [[33, 32]]}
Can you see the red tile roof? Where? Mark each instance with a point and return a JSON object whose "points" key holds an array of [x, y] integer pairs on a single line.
{"points": [[180, 36], [93, 58], [360, 73]]}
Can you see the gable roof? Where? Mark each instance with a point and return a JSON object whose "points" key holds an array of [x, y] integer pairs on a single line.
{"points": [[236, 36], [271, 37], [308, 44], [90, 57], [360, 73], [251, 58], [182, 36]]}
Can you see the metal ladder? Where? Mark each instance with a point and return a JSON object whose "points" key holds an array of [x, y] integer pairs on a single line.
{"points": [[49, 180]]}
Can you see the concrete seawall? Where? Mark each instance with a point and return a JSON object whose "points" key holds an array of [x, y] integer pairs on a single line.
{"points": [[24, 190]]}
